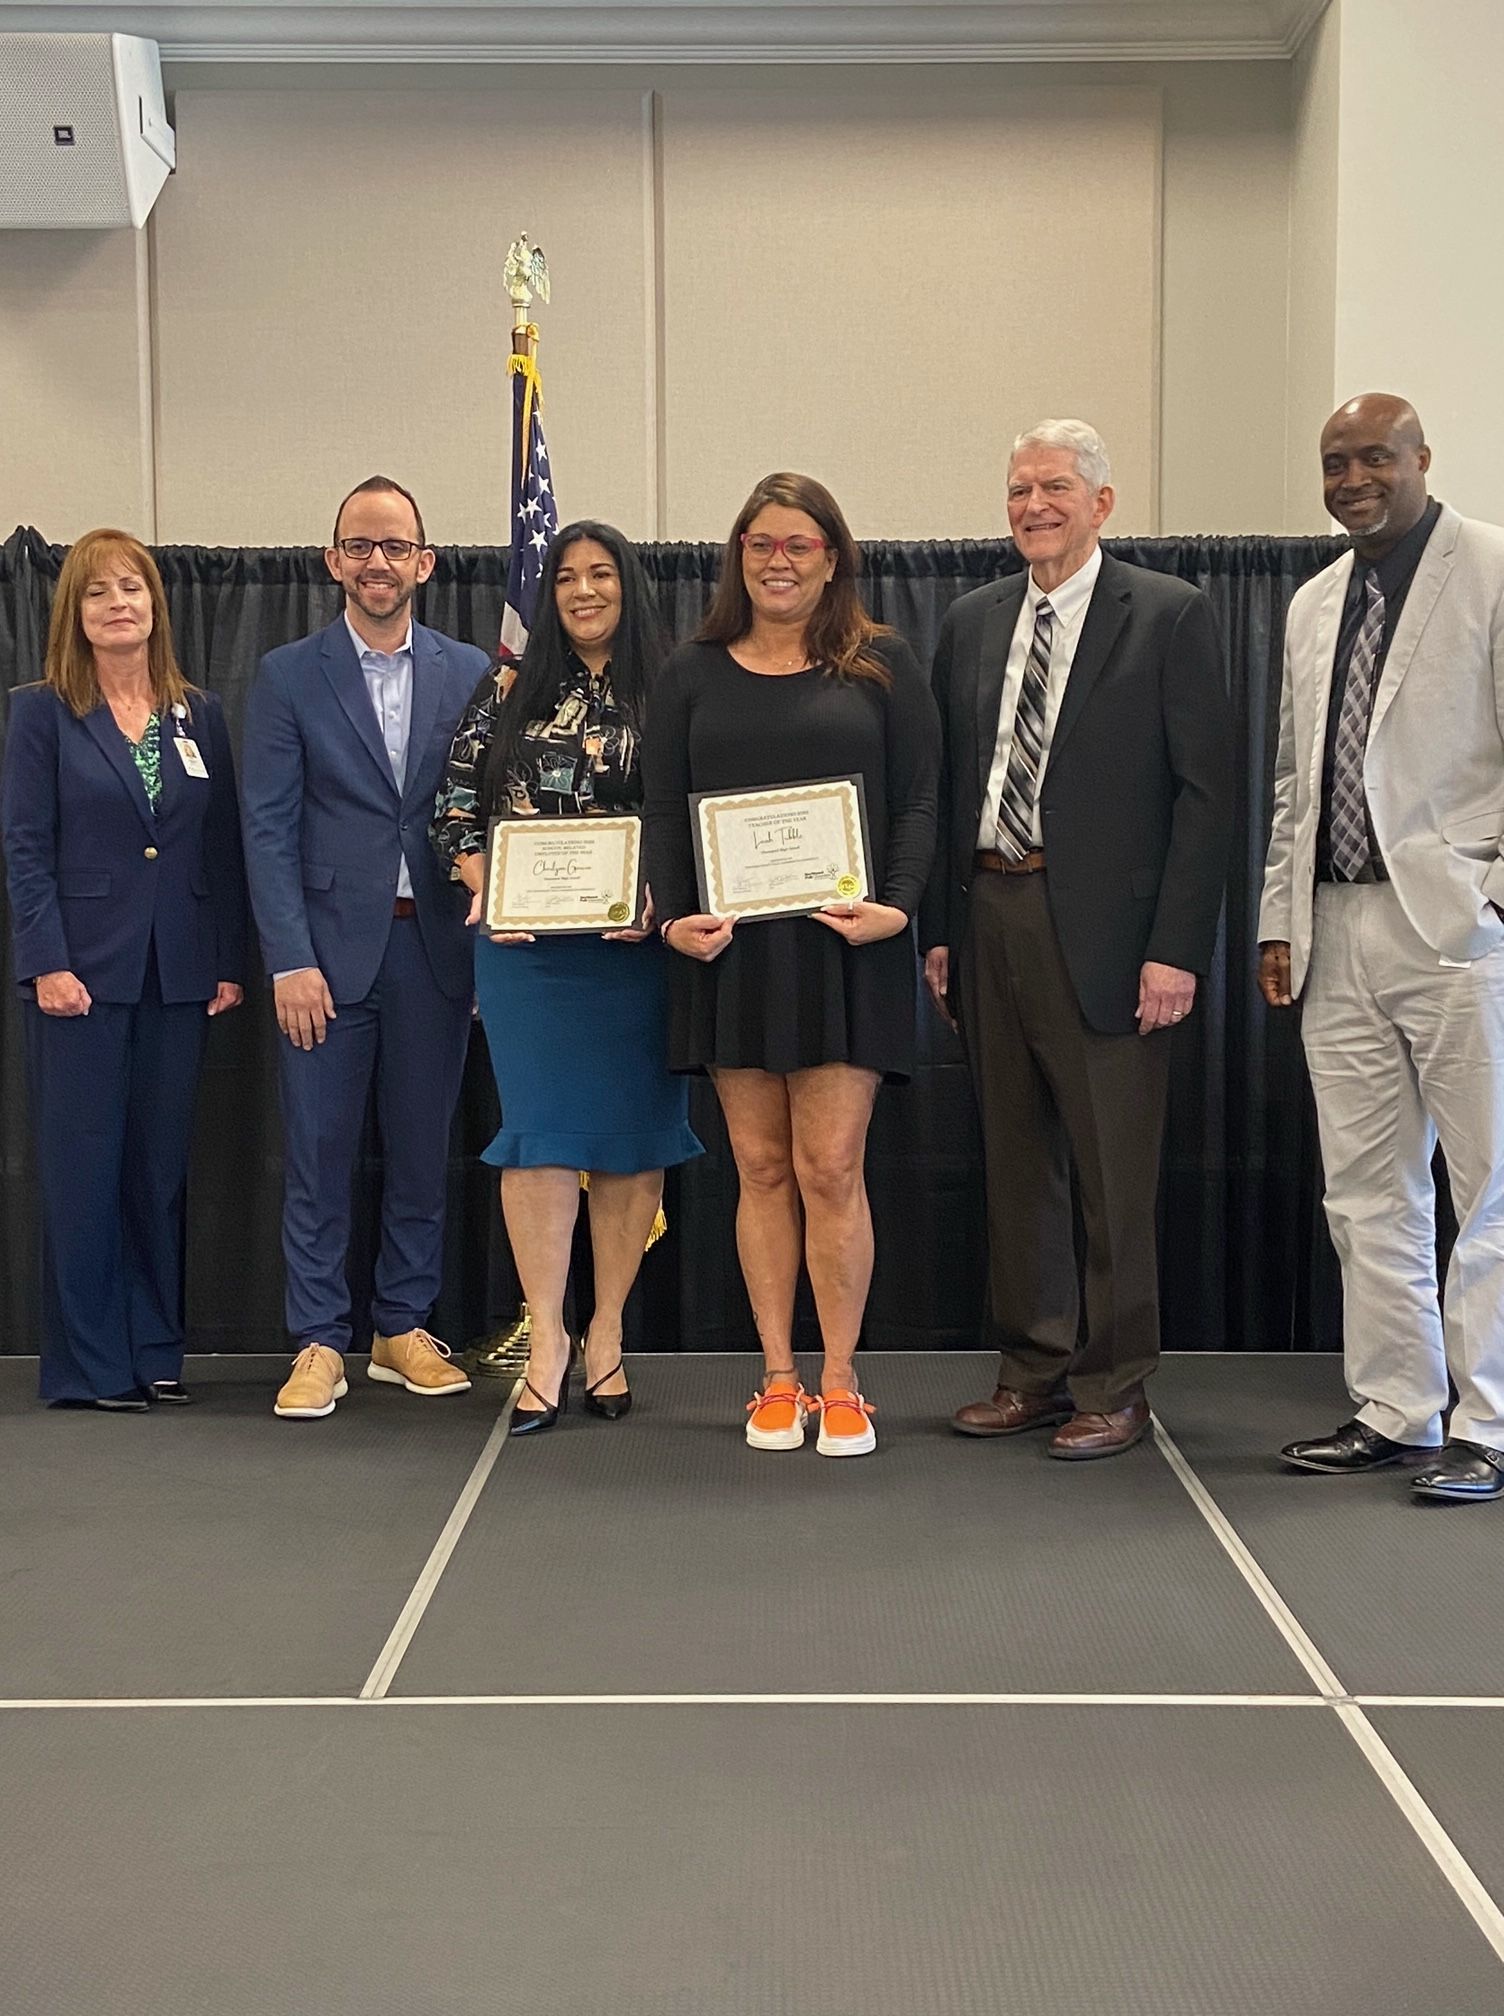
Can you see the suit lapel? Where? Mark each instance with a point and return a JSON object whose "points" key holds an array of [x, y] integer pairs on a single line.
{"points": [[998, 624], [101, 725], [1430, 579], [428, 680], [1323, 663], [174, 776], [342, 670], [1106, 614]]}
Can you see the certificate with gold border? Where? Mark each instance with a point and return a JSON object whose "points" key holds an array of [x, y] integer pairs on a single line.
{"points": [[576, 874], [781, 852]]}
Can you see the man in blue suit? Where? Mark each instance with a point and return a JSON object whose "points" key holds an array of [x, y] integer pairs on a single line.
{"points": [[346, 736]]}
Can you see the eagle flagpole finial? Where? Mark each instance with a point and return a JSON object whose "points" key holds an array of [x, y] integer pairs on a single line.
{"points": [[525, 274]]}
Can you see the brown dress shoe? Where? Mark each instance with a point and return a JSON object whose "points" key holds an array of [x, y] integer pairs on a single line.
{"points": [[1088, 1435], [1009, 1413]]}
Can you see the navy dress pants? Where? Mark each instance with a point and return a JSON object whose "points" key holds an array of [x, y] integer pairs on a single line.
{"points": [[407, 1039], [112, 1097]]}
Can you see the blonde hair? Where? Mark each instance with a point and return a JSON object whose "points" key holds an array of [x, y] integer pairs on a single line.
{"points": [[71, 671]]}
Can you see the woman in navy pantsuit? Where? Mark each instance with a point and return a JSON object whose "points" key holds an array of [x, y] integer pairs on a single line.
{"points": [[123, 862]]}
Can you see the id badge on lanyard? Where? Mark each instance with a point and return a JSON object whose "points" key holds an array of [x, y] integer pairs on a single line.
{"points": [[185, 745]]}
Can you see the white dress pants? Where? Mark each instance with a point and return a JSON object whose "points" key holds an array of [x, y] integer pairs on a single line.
{"points": [[1404, 1047]]}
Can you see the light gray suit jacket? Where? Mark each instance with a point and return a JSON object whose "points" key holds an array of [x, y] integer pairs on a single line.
{"points": [[1434, 768]]}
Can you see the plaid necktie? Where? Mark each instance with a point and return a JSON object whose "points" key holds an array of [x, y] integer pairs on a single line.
{"points": [[1015, 812], [1349, 835]]}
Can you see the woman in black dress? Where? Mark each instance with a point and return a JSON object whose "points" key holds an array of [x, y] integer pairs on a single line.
{"points": [[796, 1018]]}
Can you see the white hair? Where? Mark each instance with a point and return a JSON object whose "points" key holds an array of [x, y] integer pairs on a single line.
{"points": [[1080, 440]]}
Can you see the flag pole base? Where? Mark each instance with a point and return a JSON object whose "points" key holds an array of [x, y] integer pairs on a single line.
{"points": [[503, 1355]]}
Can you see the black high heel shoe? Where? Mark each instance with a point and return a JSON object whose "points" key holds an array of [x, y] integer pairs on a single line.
{"points": [[534, 1420], [610, 1406]]}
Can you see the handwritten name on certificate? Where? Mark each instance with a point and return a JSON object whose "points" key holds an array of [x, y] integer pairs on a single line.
{"points": [[781, 852], [563, 874]]}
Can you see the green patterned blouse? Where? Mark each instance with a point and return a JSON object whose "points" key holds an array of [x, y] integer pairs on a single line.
{"points": [[147, 757]]}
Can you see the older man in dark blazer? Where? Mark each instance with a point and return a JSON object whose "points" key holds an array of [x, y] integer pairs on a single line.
{"points": [[1085, 823]]}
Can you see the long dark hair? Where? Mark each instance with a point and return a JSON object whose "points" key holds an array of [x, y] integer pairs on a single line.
{"points": [[637, 652], [840, 633]]}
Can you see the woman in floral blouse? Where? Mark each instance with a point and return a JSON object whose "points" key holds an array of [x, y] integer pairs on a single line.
{"points": [[577, 1025]]}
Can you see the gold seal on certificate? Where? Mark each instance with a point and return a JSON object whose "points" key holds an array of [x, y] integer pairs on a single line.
{"points": [[781, 852], [563, 874]]}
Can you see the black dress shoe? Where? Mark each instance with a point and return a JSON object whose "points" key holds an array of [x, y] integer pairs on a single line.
{"points": [[169, 1392], [1462, 1470], [534, 1420], [132, 1401], [610, 1406], [1351, 1449]]}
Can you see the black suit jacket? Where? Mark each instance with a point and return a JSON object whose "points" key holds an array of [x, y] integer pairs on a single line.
{"points": [[1136, 806]]}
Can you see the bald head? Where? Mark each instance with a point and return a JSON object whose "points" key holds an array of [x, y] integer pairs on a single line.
{"points": [[1374, 460]]}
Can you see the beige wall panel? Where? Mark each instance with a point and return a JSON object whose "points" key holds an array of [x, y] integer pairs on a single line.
{"points": [[1420, 283], [1226, 176], [880, 277], [331, 303], [75, 442], [1311, 372]]}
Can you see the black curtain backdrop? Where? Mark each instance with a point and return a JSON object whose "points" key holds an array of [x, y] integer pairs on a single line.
{"points": [[1246, 1264]]}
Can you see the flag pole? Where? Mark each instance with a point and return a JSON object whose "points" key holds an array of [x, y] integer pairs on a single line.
{"points": [[504, 1353]]}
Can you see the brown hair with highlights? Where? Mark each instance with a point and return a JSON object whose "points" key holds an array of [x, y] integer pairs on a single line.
{"points": [[70, 668], [840, 634]]}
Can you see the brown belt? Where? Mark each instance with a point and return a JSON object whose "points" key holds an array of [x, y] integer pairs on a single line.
{"points": [[999, 864], [404, 907]]}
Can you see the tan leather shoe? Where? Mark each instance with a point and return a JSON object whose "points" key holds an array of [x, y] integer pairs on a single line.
{"points": [[1088, 1435], [1010, 1413], [317, 1380], [417, 1361]]}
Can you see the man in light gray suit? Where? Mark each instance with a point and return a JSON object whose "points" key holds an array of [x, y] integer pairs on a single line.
{"points": [[1381, 909]]}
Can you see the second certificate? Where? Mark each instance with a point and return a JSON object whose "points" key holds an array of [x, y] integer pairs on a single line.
{"points": [[780, 852], [563, 874]]}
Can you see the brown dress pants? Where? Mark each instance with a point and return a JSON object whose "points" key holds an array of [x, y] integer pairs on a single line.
{"points": [[1052, 1091]]}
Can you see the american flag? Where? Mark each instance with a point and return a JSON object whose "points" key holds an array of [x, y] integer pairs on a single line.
{"points": [[535, 513]]}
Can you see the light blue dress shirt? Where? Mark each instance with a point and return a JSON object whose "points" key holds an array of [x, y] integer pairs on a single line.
{"points": [[389, 681]]}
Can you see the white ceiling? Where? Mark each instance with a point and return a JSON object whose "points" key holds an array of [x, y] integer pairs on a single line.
{"points": [[695, 31]]}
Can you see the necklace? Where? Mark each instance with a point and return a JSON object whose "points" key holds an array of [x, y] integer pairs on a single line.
{"points": [[795, 661], [139, 715]]}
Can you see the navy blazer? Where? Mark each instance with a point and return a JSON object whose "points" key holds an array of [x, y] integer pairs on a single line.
{"points": [[96, 877], [326, 828]]}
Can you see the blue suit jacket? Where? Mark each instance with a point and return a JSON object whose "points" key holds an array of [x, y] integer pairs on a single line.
{"points": [[325, 825], [95, 875]]}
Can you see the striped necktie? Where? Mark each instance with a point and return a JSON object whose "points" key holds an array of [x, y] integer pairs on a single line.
{"points": [[1349, 833], [1015, 812]]}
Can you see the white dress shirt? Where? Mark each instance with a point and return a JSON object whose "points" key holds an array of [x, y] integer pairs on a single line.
{"points": [[1069, 602], [389, 681]]}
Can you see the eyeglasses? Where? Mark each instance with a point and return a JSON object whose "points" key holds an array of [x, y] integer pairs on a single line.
{"points": [[762, 546], [394, 549]]}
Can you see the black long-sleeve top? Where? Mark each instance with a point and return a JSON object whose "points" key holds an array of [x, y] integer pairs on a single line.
{"points": [[714, 726]]}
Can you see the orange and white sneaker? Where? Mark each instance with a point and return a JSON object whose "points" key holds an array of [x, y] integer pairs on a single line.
{"points": [[845, 1424], [777, 1415]]}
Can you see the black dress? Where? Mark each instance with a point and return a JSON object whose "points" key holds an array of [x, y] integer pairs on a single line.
{"points": [[788, 992]]}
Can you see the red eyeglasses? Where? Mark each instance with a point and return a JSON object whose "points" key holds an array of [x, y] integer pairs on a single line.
{"points": [[762, 545]]}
